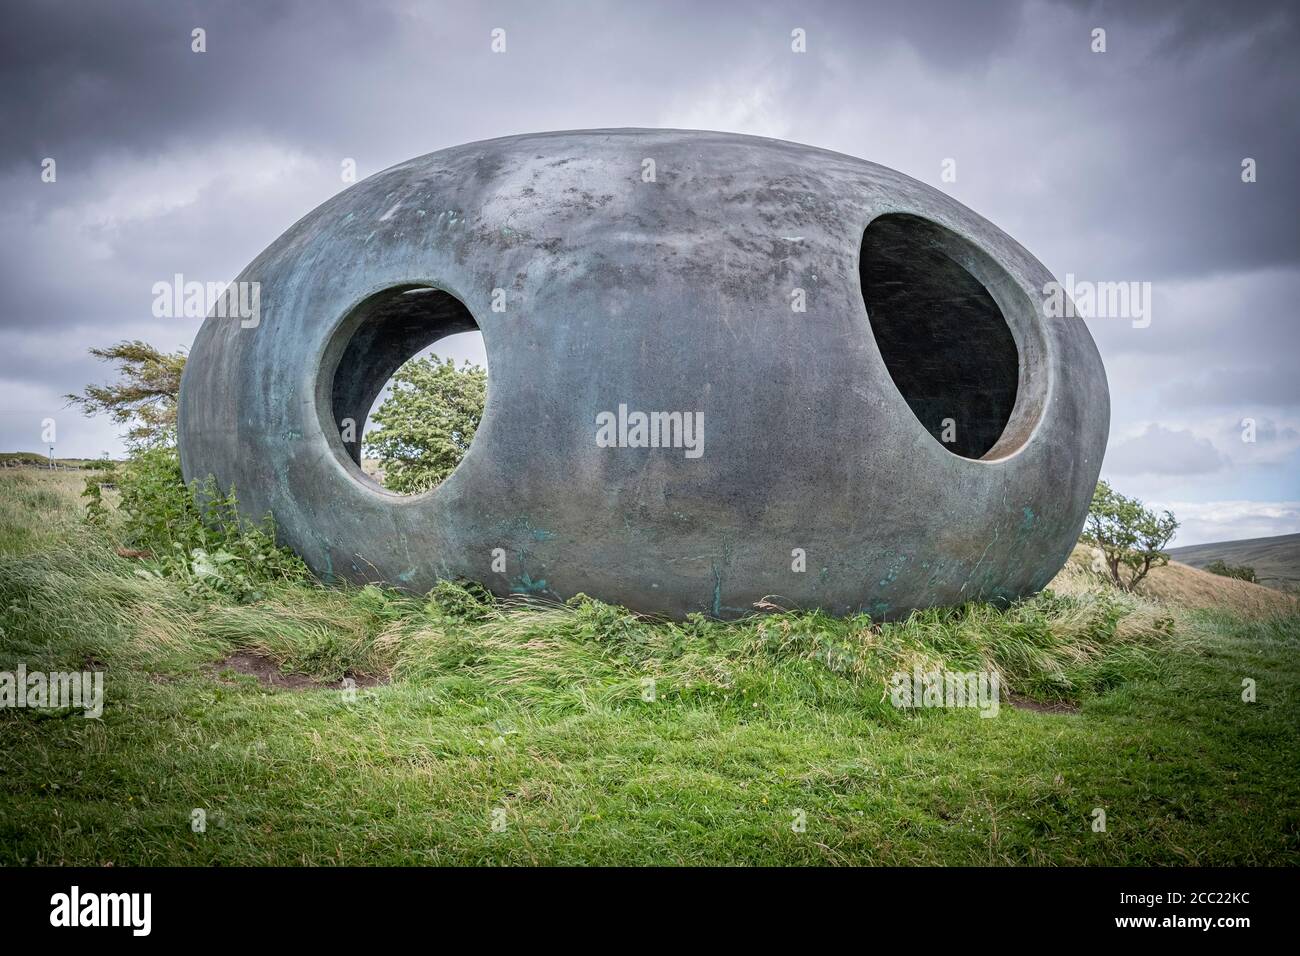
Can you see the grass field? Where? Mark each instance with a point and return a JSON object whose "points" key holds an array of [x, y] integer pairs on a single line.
{"points": [[490, 734]]}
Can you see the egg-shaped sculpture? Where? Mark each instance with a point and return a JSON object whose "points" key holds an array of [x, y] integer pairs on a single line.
{"points": [[723, 369]]}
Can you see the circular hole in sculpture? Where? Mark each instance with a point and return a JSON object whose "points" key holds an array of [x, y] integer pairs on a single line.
{"points": [[942, 336], [408, 391]]}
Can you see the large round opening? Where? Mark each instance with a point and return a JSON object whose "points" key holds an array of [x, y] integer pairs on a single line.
{"points": [[406, 379], [942, 336]]}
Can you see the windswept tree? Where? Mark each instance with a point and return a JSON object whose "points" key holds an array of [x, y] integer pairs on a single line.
{"points": [[1131, 537], [143, 399], [427, 422]]}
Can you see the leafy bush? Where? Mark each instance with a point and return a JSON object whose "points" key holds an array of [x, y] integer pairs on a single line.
{"points": [[194, 531], [96, 511], [1241, 572], [190, 531], [461, 602], [427, 423]]}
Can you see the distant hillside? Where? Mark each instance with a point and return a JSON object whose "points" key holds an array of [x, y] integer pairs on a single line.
{"points": [[31, 459], [1183, 586], [1276, 560], [1186, 586]]}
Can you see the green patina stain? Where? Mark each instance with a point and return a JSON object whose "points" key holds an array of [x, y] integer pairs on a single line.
{"points": [[327, 560], [1028, 521], [525, 523], [892, 572], [526, 585]]}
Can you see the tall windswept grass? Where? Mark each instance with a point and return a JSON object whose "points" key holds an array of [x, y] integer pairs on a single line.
{"points": [[561, 657], [38, 508], [1050, 647]]}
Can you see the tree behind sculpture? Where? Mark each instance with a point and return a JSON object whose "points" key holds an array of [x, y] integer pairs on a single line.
{"points": [[1132, 538], [427, 423], [144, 396]]}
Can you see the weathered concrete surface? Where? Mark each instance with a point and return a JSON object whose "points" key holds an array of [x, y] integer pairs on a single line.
{"points": [[671, 295]]}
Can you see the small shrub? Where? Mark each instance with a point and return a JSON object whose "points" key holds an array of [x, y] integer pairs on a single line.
{"points": [[195, 531], [1241, 572], [96, 511], [460, 602]]}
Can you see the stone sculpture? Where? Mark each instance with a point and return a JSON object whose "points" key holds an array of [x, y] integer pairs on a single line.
{"points": [[722, 369]]}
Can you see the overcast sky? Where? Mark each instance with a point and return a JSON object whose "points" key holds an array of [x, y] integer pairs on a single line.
{"points": [[1123, 165]]}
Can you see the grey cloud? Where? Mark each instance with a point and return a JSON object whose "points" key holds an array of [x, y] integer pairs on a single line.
{"points": [[1244, 387], [1164, 451]]}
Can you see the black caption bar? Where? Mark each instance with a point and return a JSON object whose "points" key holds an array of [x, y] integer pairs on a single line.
{"points": [[334, 905]]}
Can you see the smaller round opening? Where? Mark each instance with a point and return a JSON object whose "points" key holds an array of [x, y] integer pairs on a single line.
{"points": [[941, 333], [406, 385]]}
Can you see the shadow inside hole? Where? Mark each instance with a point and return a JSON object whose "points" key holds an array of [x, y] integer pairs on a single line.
{"points": [[944, 340]]}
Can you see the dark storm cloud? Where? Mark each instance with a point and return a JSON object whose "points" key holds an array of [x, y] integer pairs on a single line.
{"points": [[1199, 86], [951, 37], [1192, 24], [1155, 128], [87, 78]]}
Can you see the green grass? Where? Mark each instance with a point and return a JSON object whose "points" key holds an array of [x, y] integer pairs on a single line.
{"points": [[538, 712]]}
